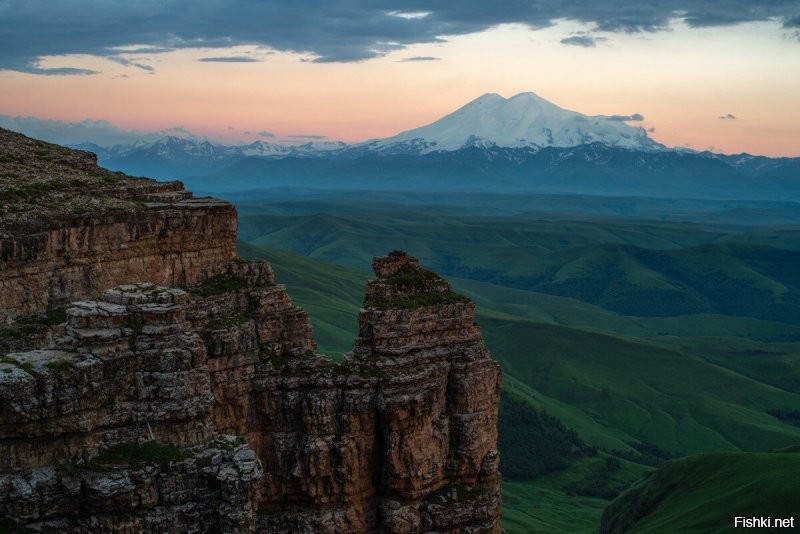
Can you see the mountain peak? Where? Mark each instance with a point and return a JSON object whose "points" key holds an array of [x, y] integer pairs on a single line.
{"points": [[487, 97], [523, 120]]}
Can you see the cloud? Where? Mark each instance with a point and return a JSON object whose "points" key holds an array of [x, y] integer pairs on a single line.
{"points": [[307, 136], [586, 41], [792, 23], [420, 58], [410, 15], [178, 131], [727, 117], [230, 59], [268, 135], [624, 118], [60, 71], [33, 67], [332, 31], [125, 62], [651, 129], [98, 132], [142, 49]]}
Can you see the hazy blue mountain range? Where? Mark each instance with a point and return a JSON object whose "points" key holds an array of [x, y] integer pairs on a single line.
{"points": [[523, 143]]}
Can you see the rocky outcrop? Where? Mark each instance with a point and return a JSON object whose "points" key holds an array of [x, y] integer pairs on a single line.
{"points": [[70, 229], [206, 407], [437, 405], [400, 437], [110, 428]]}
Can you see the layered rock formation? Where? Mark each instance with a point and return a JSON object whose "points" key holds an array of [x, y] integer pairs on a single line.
{"points": [[207, 408], [401, 436], [70, 229], [110, 428]]}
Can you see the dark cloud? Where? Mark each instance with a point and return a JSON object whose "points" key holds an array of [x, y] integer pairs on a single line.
{"points": [[420, 58], [336, 30], [792, 23], [268, 135], [144, 50], [306, 136], [727, 117], [651, 129], [128, 63], [624, 118], [231, 59], [58, 71], [586, 41]]}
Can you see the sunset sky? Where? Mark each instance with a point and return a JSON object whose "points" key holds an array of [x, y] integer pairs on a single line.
{"points": [[725, 76]]}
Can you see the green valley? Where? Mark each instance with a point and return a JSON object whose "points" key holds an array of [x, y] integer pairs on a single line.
{"points": [[625, 343]]}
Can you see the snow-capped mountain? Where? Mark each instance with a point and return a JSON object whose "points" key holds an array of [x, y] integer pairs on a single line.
{"points": [[177, 157], [524, 120], [522, 143], [172, 147], [260, 148]]}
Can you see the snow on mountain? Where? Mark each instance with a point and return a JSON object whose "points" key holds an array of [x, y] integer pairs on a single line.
{"points": [[172, 147], [524, 120], [260, 148]]}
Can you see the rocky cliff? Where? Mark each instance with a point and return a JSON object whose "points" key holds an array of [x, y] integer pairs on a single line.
{"points": [[128, 406], [70, 229]]}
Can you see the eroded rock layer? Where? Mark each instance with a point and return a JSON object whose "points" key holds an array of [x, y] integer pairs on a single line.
{"points": [[145, 408], [110, 428], [70, 229]]}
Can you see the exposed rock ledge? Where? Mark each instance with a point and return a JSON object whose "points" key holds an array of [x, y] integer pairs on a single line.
{"points": [[157, 409]]}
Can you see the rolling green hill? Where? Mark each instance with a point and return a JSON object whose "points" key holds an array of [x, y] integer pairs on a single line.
{"points": [[331, 294], [642, 392], [630, 331], [637, 390], [705, 493], [646, 269]]}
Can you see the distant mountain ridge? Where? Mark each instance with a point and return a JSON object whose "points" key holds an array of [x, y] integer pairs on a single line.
{"points": [[593, 169], [522, 143], [523, 121]]}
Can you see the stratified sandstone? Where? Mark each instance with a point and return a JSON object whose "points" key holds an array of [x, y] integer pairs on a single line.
{"points": [[110, 428], [437, 407], [207, 408], [70, 229], [400, 437]]}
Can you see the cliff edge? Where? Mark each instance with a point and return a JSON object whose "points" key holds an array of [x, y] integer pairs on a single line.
{"points": [[152, 381], [70, 229]]}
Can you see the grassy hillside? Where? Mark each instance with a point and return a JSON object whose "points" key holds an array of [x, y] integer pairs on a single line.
{"points": [[705, 493], [645, 393], [331, 294], [647, 269], [624, 342], [635, 396]]}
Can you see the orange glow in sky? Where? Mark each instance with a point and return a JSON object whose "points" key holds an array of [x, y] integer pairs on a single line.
{"points": [[681, 81]]}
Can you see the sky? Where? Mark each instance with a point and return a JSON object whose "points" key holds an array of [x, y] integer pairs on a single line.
{"points": [[719, 74]]}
